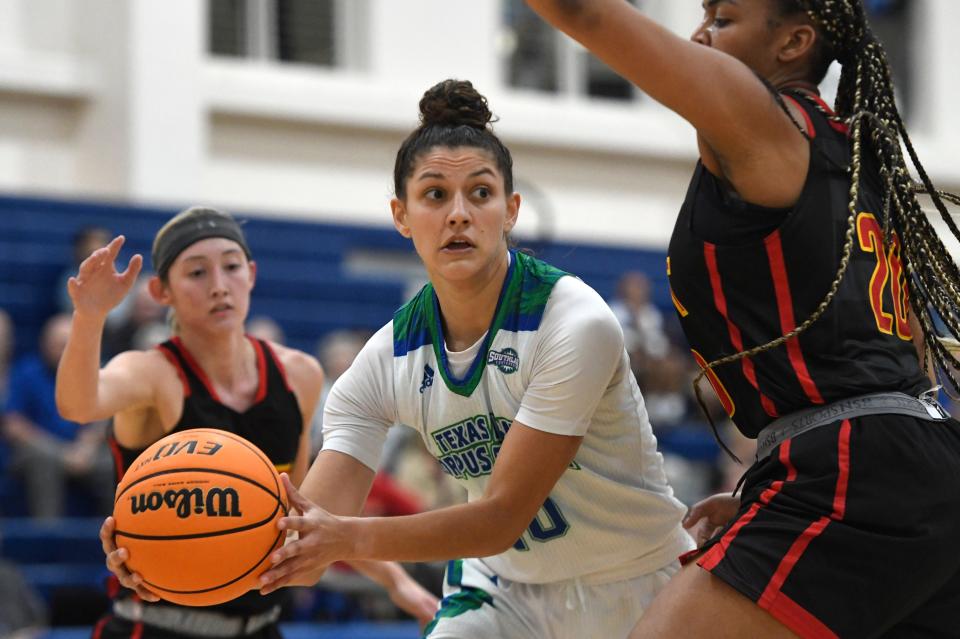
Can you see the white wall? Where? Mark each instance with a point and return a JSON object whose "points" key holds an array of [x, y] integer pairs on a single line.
{"points": [[119, 99]]}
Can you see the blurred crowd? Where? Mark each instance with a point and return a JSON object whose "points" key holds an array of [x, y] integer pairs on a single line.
{"points": [[64, 469]]}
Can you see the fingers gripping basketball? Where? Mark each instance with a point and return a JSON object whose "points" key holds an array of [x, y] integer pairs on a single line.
{"points": [[197, 512]]}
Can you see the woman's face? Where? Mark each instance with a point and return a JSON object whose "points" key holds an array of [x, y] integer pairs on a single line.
{"points": [[209, 285], [746, 29], [456, 212]]}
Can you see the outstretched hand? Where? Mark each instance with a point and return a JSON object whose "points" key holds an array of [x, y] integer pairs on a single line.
{"points": [[322, 541], [116, 558], [98, 287], [707, 517]]}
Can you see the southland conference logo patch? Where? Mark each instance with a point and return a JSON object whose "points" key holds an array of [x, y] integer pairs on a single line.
{"points": [[507, 360]]}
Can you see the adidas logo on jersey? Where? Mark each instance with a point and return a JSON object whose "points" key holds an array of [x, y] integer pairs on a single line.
{"points": [[427, 381], [507, 360]]}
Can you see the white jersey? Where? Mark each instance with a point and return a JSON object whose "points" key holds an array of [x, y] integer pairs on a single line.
{"points": [[552, 360]]}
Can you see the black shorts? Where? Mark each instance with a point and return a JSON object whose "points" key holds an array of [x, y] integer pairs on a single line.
{"points": [[852, 530]]}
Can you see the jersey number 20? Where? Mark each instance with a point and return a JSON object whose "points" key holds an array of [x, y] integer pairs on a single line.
{"points": [[889, 268]]}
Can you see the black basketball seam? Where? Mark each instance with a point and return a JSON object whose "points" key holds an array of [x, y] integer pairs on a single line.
{"points": [[256, 451], [223, 585], [240, 440], [212, 471], [216, 533]]}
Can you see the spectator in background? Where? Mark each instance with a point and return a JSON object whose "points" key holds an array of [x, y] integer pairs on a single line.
{"points": [[6, 352], [263, 327], [84, 242], [336, 352], [49, 451], [143, 327], [641, 320], [22, 613], [409, 479], [666, 391]]}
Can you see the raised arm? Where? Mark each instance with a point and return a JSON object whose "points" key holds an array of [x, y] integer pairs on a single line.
{"points": [[84, 393], [734, 114]]}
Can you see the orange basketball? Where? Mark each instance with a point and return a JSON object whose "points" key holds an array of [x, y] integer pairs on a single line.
{"points": [[197, 512]]}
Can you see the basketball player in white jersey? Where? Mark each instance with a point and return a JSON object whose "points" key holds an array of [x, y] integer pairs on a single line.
{"points": [[516, 377]]}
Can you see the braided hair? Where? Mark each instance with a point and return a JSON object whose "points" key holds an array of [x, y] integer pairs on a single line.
{"points": [[865, 103]]}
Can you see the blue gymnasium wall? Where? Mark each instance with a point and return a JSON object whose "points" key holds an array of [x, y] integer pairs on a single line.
{"points": [[302, 280]]}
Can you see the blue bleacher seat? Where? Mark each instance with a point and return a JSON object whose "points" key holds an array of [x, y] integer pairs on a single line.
{"points": [[55, 557], [302, 280]]}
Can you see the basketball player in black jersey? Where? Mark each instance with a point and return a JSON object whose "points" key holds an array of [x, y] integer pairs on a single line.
{"points": [[209, 374], [802, 268]]}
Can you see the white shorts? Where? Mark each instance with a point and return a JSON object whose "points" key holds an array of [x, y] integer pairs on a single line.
{"points": [[478, 604]]}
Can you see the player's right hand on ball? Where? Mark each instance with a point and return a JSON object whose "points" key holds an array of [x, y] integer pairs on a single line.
{"points": [[116, 562]]}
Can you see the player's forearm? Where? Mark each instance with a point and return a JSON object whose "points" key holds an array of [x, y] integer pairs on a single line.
{"points": [[20, 429], [385, 573], [477, 529], [337, 483], [563, 12], [78, 374]]}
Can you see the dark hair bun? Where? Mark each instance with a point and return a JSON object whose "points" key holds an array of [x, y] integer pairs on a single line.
{"points": [[454, 103]]}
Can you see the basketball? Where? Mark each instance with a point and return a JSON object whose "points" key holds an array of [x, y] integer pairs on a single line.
{"points": [[197, 511]]}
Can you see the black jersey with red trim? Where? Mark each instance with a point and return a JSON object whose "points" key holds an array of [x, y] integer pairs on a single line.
{"points": [[274, 423], [742, 275]]}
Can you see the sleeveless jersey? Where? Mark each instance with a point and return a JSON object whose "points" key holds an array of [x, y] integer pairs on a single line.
{"points": [[273, 423], [734, 290], [553, 359]]}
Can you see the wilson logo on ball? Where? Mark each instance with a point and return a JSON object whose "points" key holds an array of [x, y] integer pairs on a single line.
{"points": [[218, 502]]}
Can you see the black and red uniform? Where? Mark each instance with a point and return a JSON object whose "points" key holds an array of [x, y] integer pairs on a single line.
{"points": [[274, 423], [848, 530]]}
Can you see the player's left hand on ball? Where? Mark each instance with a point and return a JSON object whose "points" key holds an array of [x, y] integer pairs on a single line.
{"points": [[322, 541], [116, 562]]}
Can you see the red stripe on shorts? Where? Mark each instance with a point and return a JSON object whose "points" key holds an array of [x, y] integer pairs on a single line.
{"points": [[790, 560], [717, 552], [843, 472], [779, 605], [790, 614]]}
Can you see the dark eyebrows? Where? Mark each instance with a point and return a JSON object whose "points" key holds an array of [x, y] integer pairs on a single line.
{"points": [[229, 251], [709, 4], [436, 175]]}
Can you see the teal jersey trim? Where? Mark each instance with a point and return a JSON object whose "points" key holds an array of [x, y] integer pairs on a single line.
{"points": [[523, 297], [459, 603], [455, 572], [411, 330]]}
